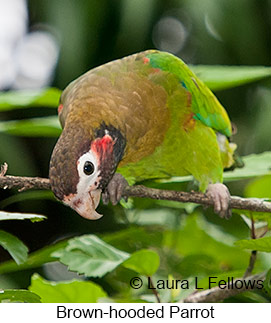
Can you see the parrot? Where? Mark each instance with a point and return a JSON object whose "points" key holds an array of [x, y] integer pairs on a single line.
{"points": [[142, 117]]}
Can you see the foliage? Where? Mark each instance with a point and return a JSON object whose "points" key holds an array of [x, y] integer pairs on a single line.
{"points": [[14, 246], [225, 77], [90, 256], [261, 244], [66, 292], [18, 296], [157, 240]]}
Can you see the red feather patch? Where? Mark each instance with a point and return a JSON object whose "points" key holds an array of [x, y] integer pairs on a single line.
{"points": [[103, 146], [146, 60], [59, 109]]}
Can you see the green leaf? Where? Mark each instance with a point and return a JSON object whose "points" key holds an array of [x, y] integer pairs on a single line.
{"points": [[18, 296], [48, 97], [35, 127], [260, 187], [145, 262], [263, 217], [261, 244], [27, 195], [35, 259], [73, 291], [267, 282], [91, 256], [255, 165], [218, 77], [208, 282], [21, 216], [14, 246], [194, 240], [134, 238]]}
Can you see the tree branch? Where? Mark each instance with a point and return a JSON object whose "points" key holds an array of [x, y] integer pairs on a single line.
{"points": [[253, 254], [236, 202], [217, 294], [26, 183]]}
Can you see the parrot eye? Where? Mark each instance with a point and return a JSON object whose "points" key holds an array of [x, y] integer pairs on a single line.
{"points": [[89, 168], [88, 171]]}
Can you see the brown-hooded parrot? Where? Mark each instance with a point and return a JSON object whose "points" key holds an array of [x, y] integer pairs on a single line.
{"points": [[144, 116]]}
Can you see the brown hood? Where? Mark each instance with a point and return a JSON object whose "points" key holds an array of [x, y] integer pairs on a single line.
{"points": [[63, 174]]}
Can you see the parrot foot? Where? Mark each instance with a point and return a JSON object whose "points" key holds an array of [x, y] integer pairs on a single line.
{"points": [[114, 190], [220, 195]]}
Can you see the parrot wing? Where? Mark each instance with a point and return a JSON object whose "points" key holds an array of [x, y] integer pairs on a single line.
{"points": [[205, 105]]}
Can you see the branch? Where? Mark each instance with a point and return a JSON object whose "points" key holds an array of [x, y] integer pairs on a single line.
{"points": [[236, 202], [217, 294], [26, 183], [253, 254]]}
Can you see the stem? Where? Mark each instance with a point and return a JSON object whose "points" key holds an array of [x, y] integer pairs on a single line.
{"points": [[154, 290], [253, 254]]}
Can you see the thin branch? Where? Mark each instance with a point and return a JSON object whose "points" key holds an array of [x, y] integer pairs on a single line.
{"points": [[217, 294], [25, 183], [154, 290], [253, 254], [252, 260]]}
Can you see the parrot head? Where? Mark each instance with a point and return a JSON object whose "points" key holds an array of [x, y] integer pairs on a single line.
{"points": [[82, 164]]}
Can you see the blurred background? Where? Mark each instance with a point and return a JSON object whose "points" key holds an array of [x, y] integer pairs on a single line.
{"points": [[50, 43]]}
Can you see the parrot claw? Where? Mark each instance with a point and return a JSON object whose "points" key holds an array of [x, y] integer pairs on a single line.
{"points": [[113, 192], [220, 195]]}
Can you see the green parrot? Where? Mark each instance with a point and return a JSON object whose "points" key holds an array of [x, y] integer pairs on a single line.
{"points": [[141, 117]]}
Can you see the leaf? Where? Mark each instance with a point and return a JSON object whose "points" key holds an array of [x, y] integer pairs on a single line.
{"points": [[91, 256], [261, 244], [47, 97], [193, 240], [14, 246], [260, 187], [214, 279], [35, 259], [267, 282], [18, 296], [257, 216], [35, 127], [27, 195], [73, 291], [134, 238], [21, 216], [145, 262], [162, 216], [255, 165], [218, 77]]}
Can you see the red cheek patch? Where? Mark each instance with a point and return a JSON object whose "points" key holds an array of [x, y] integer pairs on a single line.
{"points": [[103, 146]]}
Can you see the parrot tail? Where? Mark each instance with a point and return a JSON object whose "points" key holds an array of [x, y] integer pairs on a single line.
{"points": [[229, 156]]}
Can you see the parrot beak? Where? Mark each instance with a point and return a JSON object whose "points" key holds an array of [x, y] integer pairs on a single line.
{"points": [[87, 205]]}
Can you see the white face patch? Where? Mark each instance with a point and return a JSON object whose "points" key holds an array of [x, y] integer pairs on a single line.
{"points": [[87, 181], [87, 197]]}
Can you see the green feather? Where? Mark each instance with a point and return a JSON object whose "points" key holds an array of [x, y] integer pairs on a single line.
{"points": [[194, 150], [206, 107]]}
